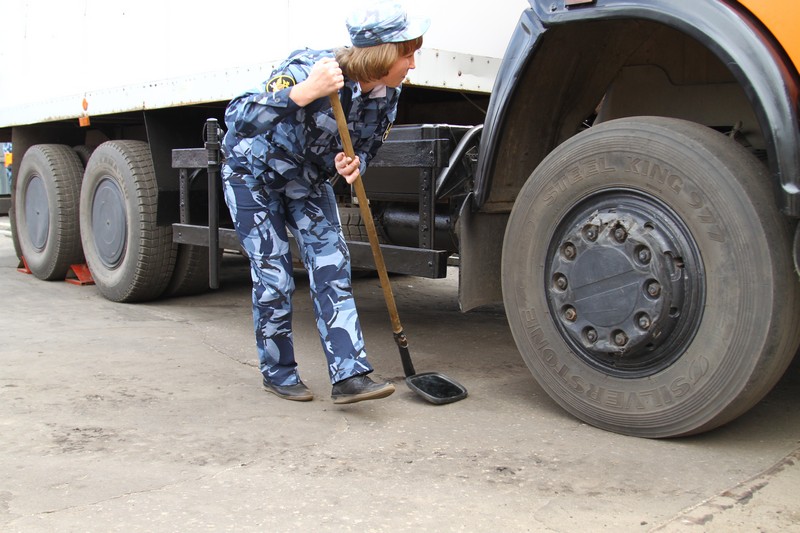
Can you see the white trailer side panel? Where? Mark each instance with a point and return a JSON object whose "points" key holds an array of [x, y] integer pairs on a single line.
{"points": [[124, 56]]}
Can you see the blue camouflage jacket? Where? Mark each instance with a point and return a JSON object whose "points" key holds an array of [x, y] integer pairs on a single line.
{"points": [[292, 148]]}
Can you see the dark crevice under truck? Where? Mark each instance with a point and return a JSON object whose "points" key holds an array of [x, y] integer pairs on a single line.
{"points": [[630, 195]]}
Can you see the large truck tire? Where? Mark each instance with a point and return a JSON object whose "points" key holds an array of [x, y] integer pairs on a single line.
{"points": [[12, 218], [353, 226], [354, 229], [647, 277], [46, 210], [84, 152], [130, 256], [190, 276]]}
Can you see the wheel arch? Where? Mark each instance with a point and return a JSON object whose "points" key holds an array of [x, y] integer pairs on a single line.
{"points": [[560, 62]]}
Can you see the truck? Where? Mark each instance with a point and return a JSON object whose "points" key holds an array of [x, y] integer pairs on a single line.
{"points": [[623, 175]]}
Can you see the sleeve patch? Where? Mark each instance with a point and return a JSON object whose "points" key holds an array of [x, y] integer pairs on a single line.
{"points": [[279, 82]]}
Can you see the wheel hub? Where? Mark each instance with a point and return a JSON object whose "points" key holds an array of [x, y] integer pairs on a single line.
{"points": [[619, 285], [109, 222], [37, 213]]}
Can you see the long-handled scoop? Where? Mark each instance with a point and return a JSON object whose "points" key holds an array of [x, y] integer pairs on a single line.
{"points": [[434, 387]]}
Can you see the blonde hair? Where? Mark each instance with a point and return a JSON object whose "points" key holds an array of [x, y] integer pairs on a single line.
{"points": [[364, 64]]}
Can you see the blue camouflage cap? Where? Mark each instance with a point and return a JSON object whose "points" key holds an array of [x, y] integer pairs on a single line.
{"points": [[384, 22]]}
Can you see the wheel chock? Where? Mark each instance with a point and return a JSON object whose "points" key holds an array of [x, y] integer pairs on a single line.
{"points": [[79, 275], [23, 266]]}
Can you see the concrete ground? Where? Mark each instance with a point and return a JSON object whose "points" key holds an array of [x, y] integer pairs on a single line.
{"points": [[150, 417]]}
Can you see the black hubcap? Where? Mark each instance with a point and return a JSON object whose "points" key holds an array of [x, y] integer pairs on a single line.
{"points": [[109, 222], [626, 283], [37, 213]]}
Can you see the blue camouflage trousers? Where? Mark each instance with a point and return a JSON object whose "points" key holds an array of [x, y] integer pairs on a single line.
{"points": [[261, 217]]}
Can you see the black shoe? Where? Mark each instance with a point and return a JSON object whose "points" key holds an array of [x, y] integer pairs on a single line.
{"points": [[297, 392], [359, 388]]}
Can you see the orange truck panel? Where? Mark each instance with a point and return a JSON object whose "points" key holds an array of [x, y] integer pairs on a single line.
{"points": [[782, 18]]}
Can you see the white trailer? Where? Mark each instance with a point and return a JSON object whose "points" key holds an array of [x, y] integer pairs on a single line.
{"points": [[65, 60], [132, 81]]}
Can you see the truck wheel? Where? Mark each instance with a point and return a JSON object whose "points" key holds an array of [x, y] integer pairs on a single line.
{"points": [[12, 218], [46, 210], [130, 256], [354, 229], [647, 278], [84, 152], [353, 226], [190, 276]]}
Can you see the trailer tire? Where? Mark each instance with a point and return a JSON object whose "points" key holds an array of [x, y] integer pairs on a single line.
{"points": [[130, 256], [190, 276], [353, 226], [12, 218], [84, 152], [46, 210], [647, 278], [354, 229]]}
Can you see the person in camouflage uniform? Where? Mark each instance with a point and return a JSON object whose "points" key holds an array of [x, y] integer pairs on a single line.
{"points": [[281, 148]]}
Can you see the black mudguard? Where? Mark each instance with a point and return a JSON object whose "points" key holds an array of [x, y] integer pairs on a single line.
{"points": [[769, 80]]}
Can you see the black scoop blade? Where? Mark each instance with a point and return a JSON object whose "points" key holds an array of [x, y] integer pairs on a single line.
{"points": [[436, 388]]}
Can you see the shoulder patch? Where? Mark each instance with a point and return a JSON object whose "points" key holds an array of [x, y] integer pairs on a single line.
{"points": [[279, 82]]}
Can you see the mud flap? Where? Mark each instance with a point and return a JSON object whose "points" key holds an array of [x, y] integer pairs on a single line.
{"points": [[480, 238]]}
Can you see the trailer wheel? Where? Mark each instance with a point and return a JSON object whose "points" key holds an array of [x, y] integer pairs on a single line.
{"points": [[46, 210], [353, 226], [84, 152], [190, 275], [647, 278], [130, 256], [12, 218], [354, 229]]}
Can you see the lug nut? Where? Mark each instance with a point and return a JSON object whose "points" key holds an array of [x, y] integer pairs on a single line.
{"points": [[561, 282], [569, 251], [654, 289], [620, 339], [644, 321], [591, 335], [570, 314], [590, 232], [620, 234], [644, 255]]}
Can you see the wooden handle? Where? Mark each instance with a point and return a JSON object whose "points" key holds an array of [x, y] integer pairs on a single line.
{"points": [[366, 215]]}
